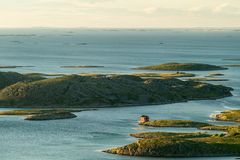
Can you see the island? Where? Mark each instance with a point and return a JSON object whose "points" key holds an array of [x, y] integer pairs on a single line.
{"points": [[232, 59], [44, 114], [167, 144], [105, 91], [182, 67], [51, 116], [207, 79], [45, 74], [215, 75], [5, 67], [82, 66], [174, 123], [228, 115], [232, 65], [166, 75]]}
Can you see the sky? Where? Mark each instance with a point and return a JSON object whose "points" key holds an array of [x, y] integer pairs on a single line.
{"points": [[119, 13]]}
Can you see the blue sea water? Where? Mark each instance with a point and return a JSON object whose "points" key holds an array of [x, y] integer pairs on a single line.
{"points": [[84, 137]]}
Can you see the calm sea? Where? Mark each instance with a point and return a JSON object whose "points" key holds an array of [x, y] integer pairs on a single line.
{"points": [[84, 137]]}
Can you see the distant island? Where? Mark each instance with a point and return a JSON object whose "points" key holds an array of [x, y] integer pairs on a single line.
{"points": [[32, 90], [5, 67], [42, 114], [166, 75], [182, 67], [207, 79], [82, 66]]}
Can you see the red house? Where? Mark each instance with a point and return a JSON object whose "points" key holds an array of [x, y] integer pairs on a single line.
{"points": [[143, 119]]}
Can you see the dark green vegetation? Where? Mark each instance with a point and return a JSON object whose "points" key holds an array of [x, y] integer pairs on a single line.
{"points": [[183, 67], [102, 91], [175, 123], [229, 115], [9, 78], [166, 75], [43, 114], [167, 144], [82, 66]]}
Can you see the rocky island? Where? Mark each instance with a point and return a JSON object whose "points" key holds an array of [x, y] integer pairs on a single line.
{"points": [[229, 115], [103, 91], [166, 75], [174, 123], [215, 75], [82, 66], [165, 144], [206, 79], [50, 116], [182, 67], [11, 67], [43, 114]]}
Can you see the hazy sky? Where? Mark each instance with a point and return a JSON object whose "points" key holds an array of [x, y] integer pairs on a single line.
{"points": [[120, 13]]}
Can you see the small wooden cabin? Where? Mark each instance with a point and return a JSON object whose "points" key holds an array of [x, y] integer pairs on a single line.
{"points": [[143, 119]]}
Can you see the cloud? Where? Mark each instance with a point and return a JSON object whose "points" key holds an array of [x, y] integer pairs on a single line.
{"points": [[227, 8], [119, 12]]}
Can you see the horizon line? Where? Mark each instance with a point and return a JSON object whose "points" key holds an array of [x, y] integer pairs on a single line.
{"points": [[39, 27]]}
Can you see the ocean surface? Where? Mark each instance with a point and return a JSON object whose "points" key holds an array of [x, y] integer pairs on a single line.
{"points": [[84, 137]]}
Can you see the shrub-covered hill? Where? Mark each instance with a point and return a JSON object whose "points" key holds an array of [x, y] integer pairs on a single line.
{"points": [[9, 78], [101, 91]]}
